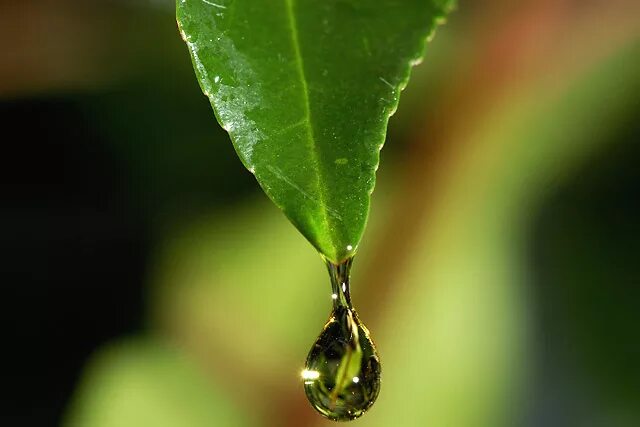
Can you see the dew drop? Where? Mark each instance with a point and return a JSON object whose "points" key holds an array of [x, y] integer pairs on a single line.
{"points": [[342, 374]]}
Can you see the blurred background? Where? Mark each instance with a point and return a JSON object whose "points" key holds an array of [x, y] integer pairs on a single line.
{"points": [[147, 281]]}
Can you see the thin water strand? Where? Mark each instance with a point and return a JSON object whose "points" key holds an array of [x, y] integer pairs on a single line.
{"points": [[342, 373]]}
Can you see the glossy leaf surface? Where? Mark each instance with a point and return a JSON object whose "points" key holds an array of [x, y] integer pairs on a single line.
{"points": [[305, 89]]}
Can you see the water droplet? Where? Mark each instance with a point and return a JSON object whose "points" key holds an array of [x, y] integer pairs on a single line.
{"points": [[342, 373]]}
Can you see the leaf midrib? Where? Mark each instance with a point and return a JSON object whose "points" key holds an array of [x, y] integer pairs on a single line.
{"points": [[309, 126]]}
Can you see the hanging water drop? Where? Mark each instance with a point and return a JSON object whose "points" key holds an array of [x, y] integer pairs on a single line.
{"points": [[342, 373]]}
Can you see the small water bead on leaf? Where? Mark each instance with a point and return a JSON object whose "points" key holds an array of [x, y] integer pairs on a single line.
{"points": [[342, 372]]}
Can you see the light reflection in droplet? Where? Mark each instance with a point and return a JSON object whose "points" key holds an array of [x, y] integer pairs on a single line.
{"points": [[310, 374]]}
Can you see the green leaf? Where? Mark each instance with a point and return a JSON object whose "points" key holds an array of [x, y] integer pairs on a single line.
{"points": [[305, 89]]}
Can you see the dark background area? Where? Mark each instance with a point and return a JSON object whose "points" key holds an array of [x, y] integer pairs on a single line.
{"points": [[585, 245]]}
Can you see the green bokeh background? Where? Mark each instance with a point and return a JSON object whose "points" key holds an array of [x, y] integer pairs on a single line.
{"points": [[498, 274]]}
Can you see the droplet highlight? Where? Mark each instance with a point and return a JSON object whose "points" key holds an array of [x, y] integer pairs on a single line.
{"points": [[342, 373]]}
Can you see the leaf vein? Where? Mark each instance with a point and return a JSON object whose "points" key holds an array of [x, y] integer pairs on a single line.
{"points": [[210, 3], [287, 128], [305, 96], [278, 173]]}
